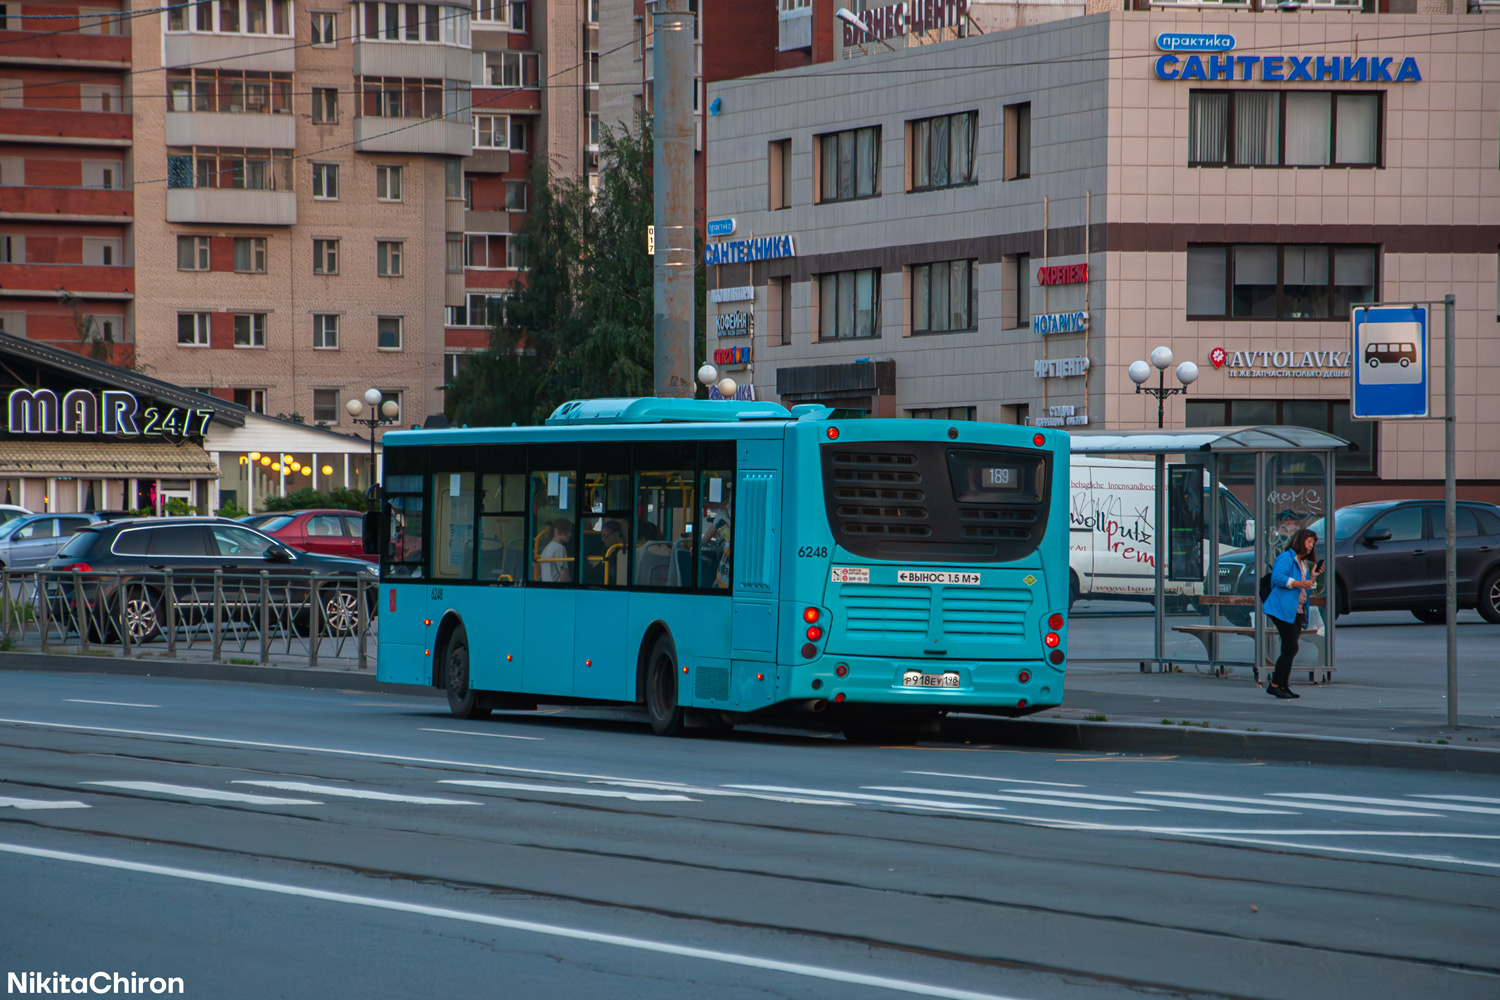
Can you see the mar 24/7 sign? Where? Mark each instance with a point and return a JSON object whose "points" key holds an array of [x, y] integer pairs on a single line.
{"points": [[112, 411]]}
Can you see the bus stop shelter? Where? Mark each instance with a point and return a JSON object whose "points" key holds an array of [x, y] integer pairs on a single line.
{"points": [[1284, 474]]}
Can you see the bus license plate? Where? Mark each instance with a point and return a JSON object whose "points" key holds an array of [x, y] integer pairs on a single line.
{"points": [[915, 678]]}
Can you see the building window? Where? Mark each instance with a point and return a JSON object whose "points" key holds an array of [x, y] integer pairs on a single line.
{"points": [[1017, 141], [326, 406], [491, 131], [454, 257], [517, 196], [1286, 128], [514, 69], [253, 399], [388, 183], [229, 91], [226, 167], [779, 171], [326, 181], [325, 105], [1020, 275], [233, 17], [453, 179], [250, 330], [943, 413], [325, 256], [514, 259], [412, 22], [413, 97], [485, 251], [192, 330], [192, 253], [1323, 415], [250, 254], [849, 164], [849, 304], [388, 258], [942, 151], [326, 332], [942, 296], [388, 333], [325, 29], [593, 129], [519, 133], [1266, 281]]}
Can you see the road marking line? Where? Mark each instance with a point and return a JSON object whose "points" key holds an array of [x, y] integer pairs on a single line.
{"points": [[212, 794], [1384, 802], [883, 799], [1203, 806], [354, 793], [1392, 855], [122, 704], [1193, 831], [1301, 805], [1458, 798], [525, 926], [599, 793], [1009, 781], [41, 803], [470, 732], [675, 786], [1018, 797]]}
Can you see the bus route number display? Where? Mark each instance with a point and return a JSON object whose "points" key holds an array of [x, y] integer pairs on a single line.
{"points": [[1000, 477]]}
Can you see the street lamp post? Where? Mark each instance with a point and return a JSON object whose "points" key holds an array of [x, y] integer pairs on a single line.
{"points": [[1140, 371], [387, 412]]}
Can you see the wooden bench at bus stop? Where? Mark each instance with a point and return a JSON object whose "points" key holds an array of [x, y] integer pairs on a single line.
{"points": [[1208, 634]]}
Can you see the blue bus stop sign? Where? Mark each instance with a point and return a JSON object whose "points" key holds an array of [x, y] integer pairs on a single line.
{"points": [[1389, 362]]}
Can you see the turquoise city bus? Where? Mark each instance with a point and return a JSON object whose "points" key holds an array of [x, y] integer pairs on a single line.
{"points": [[715, 560]]}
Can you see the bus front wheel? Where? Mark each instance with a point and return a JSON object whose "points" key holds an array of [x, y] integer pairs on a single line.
{"points": [[661, 689], [463, 701]]}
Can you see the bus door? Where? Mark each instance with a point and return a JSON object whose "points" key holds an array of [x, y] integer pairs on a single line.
{"points": [[551, 575], [604, 656], [497, 622]]}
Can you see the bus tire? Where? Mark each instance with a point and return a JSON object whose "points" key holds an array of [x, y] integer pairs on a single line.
{"points": [[463, 701], [661, 688]]}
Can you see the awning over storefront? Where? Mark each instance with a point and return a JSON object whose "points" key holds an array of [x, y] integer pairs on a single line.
{"points": [[106, 460]]}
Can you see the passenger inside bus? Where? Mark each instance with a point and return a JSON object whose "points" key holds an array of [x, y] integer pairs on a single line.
{"points": [[612, 539], [556, 562]]}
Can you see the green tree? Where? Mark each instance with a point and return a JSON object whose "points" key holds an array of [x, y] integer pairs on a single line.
{"points": [[582, 324]]}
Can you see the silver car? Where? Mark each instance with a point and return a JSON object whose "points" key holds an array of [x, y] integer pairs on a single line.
{"points": [[27, 542]]}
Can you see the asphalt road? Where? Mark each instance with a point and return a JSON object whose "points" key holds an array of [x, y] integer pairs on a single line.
{"points": [[265, 842]]}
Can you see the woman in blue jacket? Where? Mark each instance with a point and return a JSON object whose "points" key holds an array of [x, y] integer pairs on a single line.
{"points": [[1293, 576]]}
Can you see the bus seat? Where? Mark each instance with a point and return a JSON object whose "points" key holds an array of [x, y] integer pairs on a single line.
{"points": [[651, 562], [592, 551], [611, 557], [491, 559], [684, 567], [515, 560]]}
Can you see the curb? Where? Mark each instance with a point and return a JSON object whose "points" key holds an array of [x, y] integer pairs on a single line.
{"points": [[1089, 737]]}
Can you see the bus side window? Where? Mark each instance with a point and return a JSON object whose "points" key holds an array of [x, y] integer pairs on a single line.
{"points": [[502, 527], [453, 525], [664, 531], [715, 565], [554, 549]]}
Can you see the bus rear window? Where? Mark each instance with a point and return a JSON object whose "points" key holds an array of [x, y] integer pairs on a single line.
{"points": [[930, 502]]}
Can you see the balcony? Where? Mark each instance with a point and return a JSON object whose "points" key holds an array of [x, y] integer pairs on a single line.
{"points": [[232, 206], [67, 49], [795, 29], [274, 53], [88, 280], [437, 137], [204, 128], [40, 204], [419, 60], [68, 128]]}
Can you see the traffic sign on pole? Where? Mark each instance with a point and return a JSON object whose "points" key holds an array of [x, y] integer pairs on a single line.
{"points": [[1389, 362]]}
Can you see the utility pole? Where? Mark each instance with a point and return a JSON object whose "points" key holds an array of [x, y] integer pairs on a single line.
{"points": [[675, 267]]}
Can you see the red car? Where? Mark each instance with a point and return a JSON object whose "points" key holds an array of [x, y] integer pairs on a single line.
{"points": [[328, 532]]}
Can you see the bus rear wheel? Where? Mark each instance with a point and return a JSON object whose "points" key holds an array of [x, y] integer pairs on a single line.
{"points": [[463, 701], [661, 689]]}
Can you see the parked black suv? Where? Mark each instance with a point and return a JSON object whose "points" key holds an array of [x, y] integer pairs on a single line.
{"points": [[1389, 555], [192, 549]]}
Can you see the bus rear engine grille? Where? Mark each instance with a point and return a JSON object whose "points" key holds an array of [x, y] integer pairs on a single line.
{"points": [[900, 513], [872, 493], [908, 530], [991, 523]]}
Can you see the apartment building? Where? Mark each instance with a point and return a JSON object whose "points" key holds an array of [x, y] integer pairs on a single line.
{"points": [[65, 205], [312, 198], [996, 227]]}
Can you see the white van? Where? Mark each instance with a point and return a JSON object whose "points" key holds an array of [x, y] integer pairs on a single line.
{"points": [[1112, 530]]}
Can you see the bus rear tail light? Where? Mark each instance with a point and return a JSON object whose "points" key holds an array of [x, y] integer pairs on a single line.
{"points": [[842, 669], [1055, 623], [833, 434], [1053, 640], [1024, 677], [1038, 440], [1056, 657], [810, 615], [814, 633], [809, 650]]}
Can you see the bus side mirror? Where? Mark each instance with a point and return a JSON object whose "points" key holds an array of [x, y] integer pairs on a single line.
{"points": [[370, 533]]}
